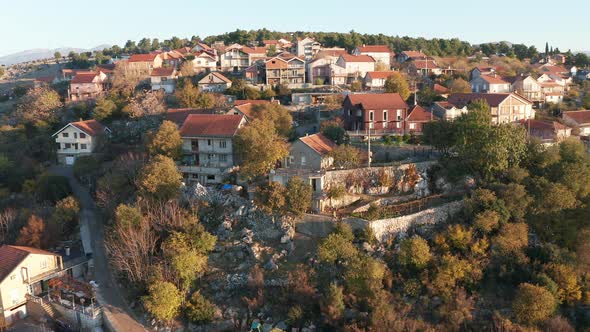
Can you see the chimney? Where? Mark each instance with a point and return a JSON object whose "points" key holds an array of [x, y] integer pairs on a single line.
{"points": [[67, 250]]}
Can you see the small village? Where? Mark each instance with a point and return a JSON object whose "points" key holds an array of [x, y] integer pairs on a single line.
{"points": [[295, 184]]}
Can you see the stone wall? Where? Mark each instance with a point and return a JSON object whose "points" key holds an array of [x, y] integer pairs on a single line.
{"points": [[385, 228]]}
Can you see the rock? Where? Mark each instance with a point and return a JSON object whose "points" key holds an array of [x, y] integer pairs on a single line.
{"points": [[226, 224], [281, 326], [271, 265], [367, 247]]}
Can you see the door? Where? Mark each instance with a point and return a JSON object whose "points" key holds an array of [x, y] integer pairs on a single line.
{"points": [[70, 160]]}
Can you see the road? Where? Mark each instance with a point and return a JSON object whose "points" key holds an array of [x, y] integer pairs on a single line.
{"points": [[115, 309]]}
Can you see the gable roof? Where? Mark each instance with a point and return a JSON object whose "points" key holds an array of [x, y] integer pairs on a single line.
{"points": [[90, 127], [418, 114], [221, 77], [540, 124], [81, 78], [169, 71], [381, 101], [179, 115], [493, 99], [374, 49], [319, 143], [12, 256], [380, 74], [425, 64], [580, 117], [143, 57], [414, 54], [493, 79], [357, 58], [211, 125], [446, 105], [440, 89]]}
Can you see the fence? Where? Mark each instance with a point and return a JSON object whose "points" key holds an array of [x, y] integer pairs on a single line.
{"points": [[398, 210]]}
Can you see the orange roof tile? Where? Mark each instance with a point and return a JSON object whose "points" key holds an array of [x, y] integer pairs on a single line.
{"points": [[143, 57], [319, 143], [374, 101], [357, 58], [91, 127], [214, 125]]}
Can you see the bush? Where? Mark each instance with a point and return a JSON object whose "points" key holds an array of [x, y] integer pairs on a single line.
{"points": [[199, 309], [86, 168], [533, 304], [53, 187]]}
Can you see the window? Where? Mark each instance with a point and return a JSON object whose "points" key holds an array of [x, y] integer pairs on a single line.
{"points": [[399, 115], [65, 135], [211, 177], [195, 145], [412, 126], [209, 142], [371, 116], [222, 144], [195, 176], [67, 146], [82, 135], [163, 79], [397, 125], [291, 160], [75, 135], [44, 264], [222, 157], [82, 146], [303, 161], [385, 116]]}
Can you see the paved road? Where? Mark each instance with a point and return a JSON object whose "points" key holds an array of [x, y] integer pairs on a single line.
{"points": [[115, 310]]}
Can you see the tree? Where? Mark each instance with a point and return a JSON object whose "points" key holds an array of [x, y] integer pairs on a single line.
{"points": [[32, 234], [159, 179], [332, 304], [511, 239], [66, 213], [380, 66], [199, 309], [277, 114], [104, 109], [146, 104], [298, 196], [189, 96], [57, 56], [356, 86], [187, 69], [241, 90], [166, 141], [459, 85], [569, 291], [441, 135], [126, 78], [414, 253], [336, 248], [397, 83], [334, 131], [346, 156], [533, 304], [260, 147], [163, 300], [270, 197], [186, 262], [53, 187], [39, 106]]}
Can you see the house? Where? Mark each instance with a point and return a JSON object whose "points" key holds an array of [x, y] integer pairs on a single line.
{"points": [[382, 113], [447, 111], [527, 87], [208, 146], [375, 80], [410, 55], [440, 90], [425, 67], [214, 82], [417, 117], [246, 107], [552, 92], [87, 85], [324, 69], [579, 120], [164, 79], [69, 74], [204, 61], [489, 84], [237, 58], [173, 58], [306, 48], [280, 45], [381, 53], [23, 271], [356, 66], [285, 69], [78, 139], [548, 132], [179, 115], [310, 152], [504, 107], [478, 71], [145, 62]]}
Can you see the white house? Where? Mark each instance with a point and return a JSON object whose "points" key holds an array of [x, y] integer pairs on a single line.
{"points": [[381, 53], [356, 66], [78, 139], [204, 61], [214, 82], [489, 84], [375, 80], [307, 48], [164, 79]]}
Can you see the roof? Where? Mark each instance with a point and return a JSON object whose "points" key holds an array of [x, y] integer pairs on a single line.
{"points": [[179, 115], [106, 68], [541, 124], [425, 64], [445, 104], [90, 127], [250, 101], [378, 101], [12, 256], [254, 50], [414, 54], [374, 49], [211, 125], [246, 109], [493, 79], [357, 58], [163, 71], [142, 57], [319, 143], [380, 74], [84, 78], [581, 117], [418, 114], [555, 69], [332, 53], [493, 99], [440, 89], [221, 77]]}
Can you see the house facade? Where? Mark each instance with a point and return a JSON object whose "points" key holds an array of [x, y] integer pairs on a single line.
{"points": [[375, 80], [86, 86], [23, 271], [504, 107], [417, 117], [78, 139], [214, 82], [381, 53], [204, 62], [381, 113], [527, 87], [145, 62], [579, 120], [307, 48], [489, 84], [289, 70], [447, 111], [208, 146], [237, 58], [356, 66], [164, 79]]}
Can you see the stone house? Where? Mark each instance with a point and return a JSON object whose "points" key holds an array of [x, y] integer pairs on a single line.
{"points": [[78, 139], [145, 62]]}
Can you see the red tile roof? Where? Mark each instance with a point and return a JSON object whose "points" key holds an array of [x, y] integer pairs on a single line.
{"points": [[319, 143], [163, 71], [332, 53], [215, 125], [179, 115], [493, 79], [221, 77], [374, 101], [580, 117], [91, 127], [440, 89], [418, 114], [414, 54], [142, 57], [463, 99], [106, 68], [254, 50], [540, 124], [374, 49], [425, 64], [84, 78], [250, 101], [12, 256], [357, 58], [379, 74]]}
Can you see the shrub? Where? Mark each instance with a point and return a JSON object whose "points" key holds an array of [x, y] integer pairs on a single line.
{"points": [[533, 304], [199, 309], [53, 187]]}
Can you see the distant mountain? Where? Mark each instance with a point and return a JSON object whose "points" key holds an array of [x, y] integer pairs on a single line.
{"points": [[42, 53]]}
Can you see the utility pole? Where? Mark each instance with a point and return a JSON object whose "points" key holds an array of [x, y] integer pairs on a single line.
{"points": [[369, 148]]}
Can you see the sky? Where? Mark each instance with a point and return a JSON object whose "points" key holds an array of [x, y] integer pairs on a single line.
{"points": [[29, 24]]}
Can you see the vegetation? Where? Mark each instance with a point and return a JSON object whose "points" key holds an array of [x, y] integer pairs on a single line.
{"points": [[166, 141], [397, 83]]}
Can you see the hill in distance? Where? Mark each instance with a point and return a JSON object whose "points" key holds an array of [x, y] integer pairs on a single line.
{"points": [[42, 53]]}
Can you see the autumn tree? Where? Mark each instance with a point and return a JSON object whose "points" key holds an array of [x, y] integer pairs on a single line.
{"points": [[533, 304], [186, 262], [32, 234], [459, 85], [298, 196], [166, 141], [159, 179], [346, 156], [146, 104], [414, 252], [126, 78], [277, 114], [270, 197], [398, 84], [260, 147], [163, 300], [190, 96], [39, 106], [187, 69]]}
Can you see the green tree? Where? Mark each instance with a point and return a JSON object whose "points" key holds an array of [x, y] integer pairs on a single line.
{"points": [[336, 247], [199, 309], [241, 90], [346, 156], [57, 56], [39, 106], [186, 262], [159, 179], [271, 197], [166, 141], [533, 304], [397, 83], [277, 114], [298, 196], [334, 131], [127, 216], [104, 109], [332, 303], [260, 147], [163, 300], [414, 252], [356, 86]]}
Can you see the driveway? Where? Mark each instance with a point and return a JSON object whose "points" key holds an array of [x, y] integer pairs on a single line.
{"points": [[116, 311]]}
